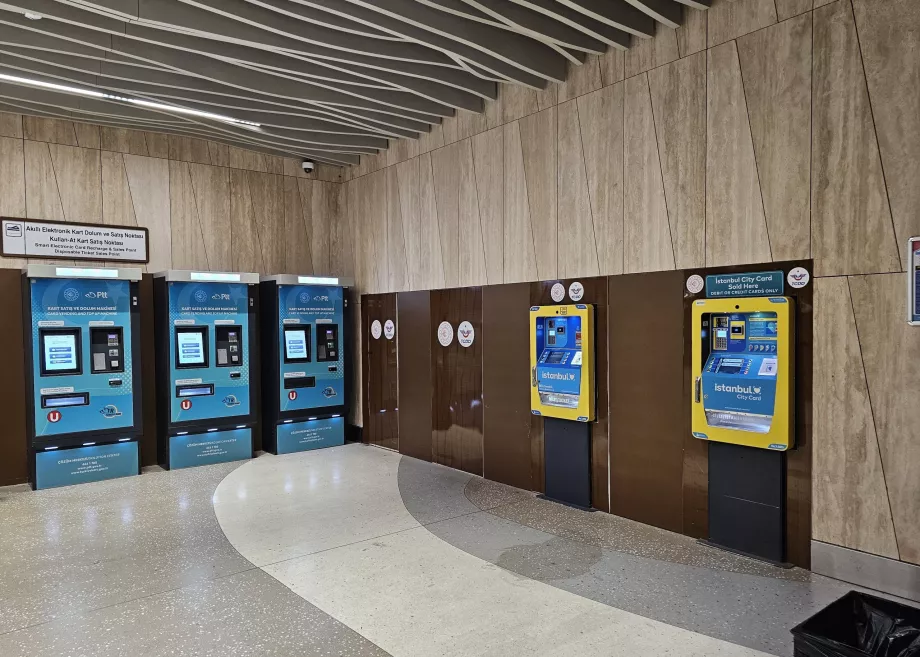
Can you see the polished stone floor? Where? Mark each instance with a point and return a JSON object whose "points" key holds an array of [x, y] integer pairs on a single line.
{"points": [[358, 551]]}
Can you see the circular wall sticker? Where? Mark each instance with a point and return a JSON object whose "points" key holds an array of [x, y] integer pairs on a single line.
{"points": [[389, 329], [798, 277], [576, 291], [465, 334], [695, 284], [375, 329], [558, 292], [445, 334]]}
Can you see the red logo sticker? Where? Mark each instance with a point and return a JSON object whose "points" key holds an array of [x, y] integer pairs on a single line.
{"points": [[54, 416], [292, 395], [186, 404]]}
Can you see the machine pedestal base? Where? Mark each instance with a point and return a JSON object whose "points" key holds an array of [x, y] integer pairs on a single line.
{"points": [[567, 456]]}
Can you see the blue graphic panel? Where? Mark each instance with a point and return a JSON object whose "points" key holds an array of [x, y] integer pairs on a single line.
{"points": [[85, 464], [208, 448], [65, 312], [559, 349], [312, 434], [739, 379], [313, 314], [209, 391]]}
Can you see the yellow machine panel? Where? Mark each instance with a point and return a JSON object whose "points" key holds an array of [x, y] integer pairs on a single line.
{"points": [[743, 371], [562, 362]]}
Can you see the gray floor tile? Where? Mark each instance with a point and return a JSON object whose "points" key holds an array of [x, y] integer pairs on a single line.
{"points": [[433, 492]]}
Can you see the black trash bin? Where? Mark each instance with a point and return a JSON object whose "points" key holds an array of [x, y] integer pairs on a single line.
{"points": [[860, 625]]}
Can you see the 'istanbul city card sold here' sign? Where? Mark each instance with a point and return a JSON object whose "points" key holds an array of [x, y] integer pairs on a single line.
{"points": [[26, 238]]}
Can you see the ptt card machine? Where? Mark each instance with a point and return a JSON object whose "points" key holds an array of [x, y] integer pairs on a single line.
{"points": [[82, 330], [207, 346], [303, 362], [743, 371], [562, 362]]}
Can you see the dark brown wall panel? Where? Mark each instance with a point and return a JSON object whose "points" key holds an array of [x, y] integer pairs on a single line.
{"points": [[413, 334], [456, 375], [506, 384], [381, 421], [646, 397], [148, 440], [595, 293], [13, 455]]}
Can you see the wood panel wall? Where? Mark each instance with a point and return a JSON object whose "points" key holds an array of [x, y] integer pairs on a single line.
{"points": [[381, 386], [759, 131], [207, 206], [415, 398], [456, 382]]}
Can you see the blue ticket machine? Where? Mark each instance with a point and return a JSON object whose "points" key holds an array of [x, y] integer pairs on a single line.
{"points": [[303, 362], [207, 351], [82, 363]]}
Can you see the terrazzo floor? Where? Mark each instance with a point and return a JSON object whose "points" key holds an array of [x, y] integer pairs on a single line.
{"points": [[359, 551]]}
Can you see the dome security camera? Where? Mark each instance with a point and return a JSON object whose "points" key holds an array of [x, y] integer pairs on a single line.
{"points": [[309, 165]]}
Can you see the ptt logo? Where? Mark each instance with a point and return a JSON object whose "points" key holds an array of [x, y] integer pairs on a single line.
{"points": [[110, 411], [746, 390], [201, 296], [97, 295], [323, 297], [220, 297], [71, 294], [230, 401], [329, 392]]}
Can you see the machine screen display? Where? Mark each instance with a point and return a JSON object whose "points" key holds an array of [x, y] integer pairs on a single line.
{"points": [[190, 346], [295, 345], [60, 353]]}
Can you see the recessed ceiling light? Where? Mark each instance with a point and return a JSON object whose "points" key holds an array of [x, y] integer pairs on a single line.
{"points": [[32, 16]]}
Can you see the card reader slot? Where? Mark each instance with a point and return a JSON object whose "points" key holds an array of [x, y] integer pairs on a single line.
{"points": [[65, 400], [195, 390], [300, 382]]}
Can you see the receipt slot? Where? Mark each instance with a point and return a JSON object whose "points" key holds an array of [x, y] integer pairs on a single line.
{"points": [[82, 335], [303, 362], [562, 392], [207, 350], [743, 361]]}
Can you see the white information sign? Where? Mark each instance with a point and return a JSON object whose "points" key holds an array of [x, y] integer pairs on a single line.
{"points": [[49, 239]]}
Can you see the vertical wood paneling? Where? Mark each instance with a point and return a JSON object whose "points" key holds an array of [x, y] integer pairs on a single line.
{"points": [[578, 249], [890, 353], [188, 149], [889, 39], [852, 230], [407, 177], [380, 382], [12, 187], [850, 500], [488, 161], [447, 194], [472, 257], [374, 230], [77, 176], [325, 212], [600, 118], [678, 93], [456, 376], [736, 230], [729, 19], [148, 180], [432, 269], [776, 69], [396, 245], [520, 260], [342, 235], [188, 250], [10, 125], [43, 201], [117, 206], [538, 146], [298, 252], [157, 144], [613, 66], [88, 136], [266, 192], [646, 54], [211, 188], [789, 8], [247, 248], [413, 336], [647, 241], [582, 79]]}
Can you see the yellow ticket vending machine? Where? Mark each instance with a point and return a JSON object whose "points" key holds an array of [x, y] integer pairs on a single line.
{"points": [[562, 362], [743, 371]]}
